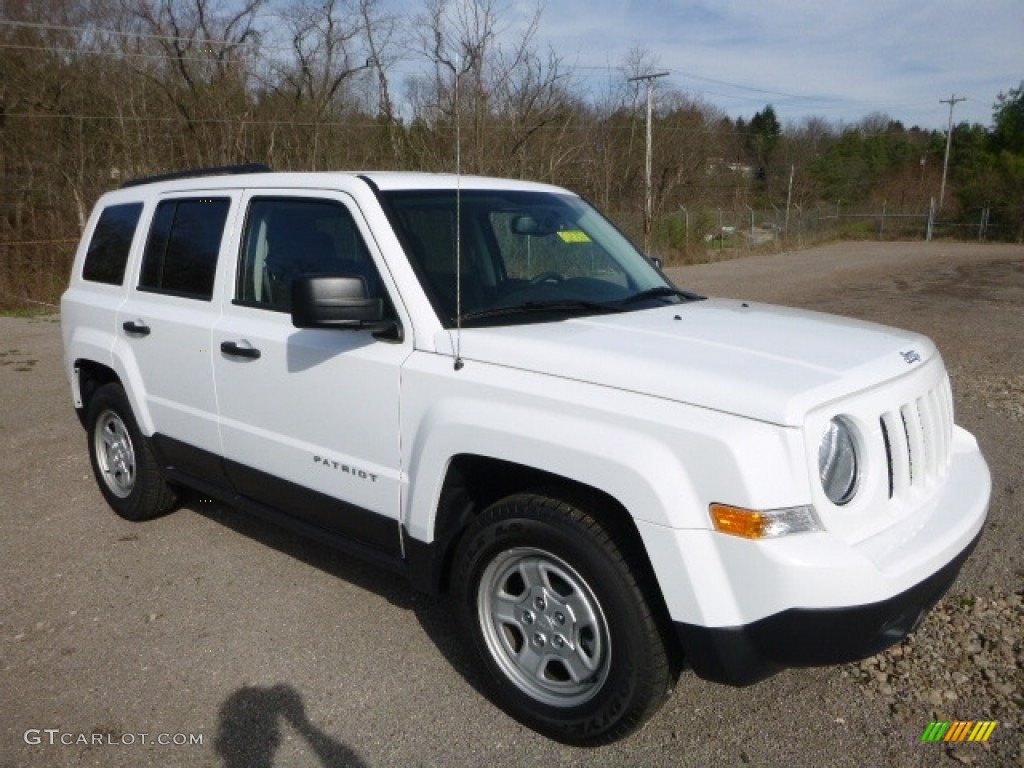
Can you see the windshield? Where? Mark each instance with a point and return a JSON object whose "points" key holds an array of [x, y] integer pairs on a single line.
{"points": [[525, 256]]}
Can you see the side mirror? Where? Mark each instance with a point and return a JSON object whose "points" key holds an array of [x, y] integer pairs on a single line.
{"points": [[655, 260], [334, 302]]}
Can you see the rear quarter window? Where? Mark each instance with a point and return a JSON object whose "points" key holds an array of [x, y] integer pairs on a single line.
{"points": [[107, 257]]}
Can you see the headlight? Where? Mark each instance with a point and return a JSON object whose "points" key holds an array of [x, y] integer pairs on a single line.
{"points": [[837, 461]]}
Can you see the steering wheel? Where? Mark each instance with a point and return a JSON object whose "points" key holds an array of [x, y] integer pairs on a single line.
{"points": [[546, 277]]}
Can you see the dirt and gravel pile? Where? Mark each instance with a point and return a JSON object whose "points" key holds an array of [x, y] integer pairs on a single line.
{"points": [[1004, 394], [965, 662]]}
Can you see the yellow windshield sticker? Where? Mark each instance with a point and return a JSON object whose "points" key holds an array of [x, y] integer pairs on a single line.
{"points": [[573, 236]]}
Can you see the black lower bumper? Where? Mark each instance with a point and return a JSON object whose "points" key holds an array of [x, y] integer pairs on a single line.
{"points": [[801, 637]]}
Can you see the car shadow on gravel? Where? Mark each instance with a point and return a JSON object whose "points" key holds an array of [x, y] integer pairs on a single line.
{"points": [[249, 729], [432, 612]]}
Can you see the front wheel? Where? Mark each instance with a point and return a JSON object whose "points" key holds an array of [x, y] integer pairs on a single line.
{"points": [[555, 612]]}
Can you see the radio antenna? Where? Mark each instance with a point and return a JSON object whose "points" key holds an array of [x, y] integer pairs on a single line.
{"points": [[458, 222]]}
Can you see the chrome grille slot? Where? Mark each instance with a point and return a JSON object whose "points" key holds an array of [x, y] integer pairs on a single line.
{"points": [[929, 410], [915, 440], [945, 397], [888, 455], [918, 440], [899, 452]]}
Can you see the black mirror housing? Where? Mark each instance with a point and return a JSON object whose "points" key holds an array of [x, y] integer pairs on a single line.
{"points": [[330, 301], [539, 225]]}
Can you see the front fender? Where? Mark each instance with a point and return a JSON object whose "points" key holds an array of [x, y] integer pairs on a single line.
{"points": [[662, 461]]}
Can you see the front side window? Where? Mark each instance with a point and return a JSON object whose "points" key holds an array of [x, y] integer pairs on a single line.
{"points": [[287, 238], [521, 256], [184, 240], [107, 257]]}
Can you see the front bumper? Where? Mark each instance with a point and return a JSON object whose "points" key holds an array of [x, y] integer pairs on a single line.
{"points": [[808, 637], [744, 609]]}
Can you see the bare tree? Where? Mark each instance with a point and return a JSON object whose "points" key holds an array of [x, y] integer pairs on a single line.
{"points": [[382, 42], [198, 53], [492, 80]]}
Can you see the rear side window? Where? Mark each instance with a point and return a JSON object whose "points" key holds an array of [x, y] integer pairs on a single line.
{"points": [[181, 254], [107, 257]]}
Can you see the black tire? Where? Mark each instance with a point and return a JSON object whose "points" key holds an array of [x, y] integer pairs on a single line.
{"points": [[560, 622], [126, 471]]}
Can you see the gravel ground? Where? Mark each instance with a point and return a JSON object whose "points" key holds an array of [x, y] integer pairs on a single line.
{"points": [[967, 656], [275, 651]]}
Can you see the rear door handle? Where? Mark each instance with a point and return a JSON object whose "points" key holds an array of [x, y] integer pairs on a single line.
{"points": [[139, 327], [232, 348]]}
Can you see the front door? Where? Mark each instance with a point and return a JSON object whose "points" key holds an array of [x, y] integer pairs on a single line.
{"points": [[309, 418]]}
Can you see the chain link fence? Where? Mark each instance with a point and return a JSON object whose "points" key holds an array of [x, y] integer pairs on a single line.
{"points": [[701, 234]]}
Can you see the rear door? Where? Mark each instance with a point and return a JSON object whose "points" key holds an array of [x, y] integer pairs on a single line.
{"points": [[309, 418], [166, 323]]}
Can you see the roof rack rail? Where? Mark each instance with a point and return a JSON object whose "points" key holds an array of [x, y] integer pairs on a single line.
{"points": [[192, 173]]}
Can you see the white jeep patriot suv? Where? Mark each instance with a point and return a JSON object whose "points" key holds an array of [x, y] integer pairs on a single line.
{"points": [[482, 384]]}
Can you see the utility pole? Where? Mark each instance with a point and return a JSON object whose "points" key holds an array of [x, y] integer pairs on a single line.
{"points": [[952, 100], [789, 199], [648, 213]]}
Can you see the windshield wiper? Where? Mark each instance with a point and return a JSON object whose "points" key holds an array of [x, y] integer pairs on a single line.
{"points": [[570, 306], [661, 292]]}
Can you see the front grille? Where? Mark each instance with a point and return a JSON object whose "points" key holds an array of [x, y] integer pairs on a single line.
{"points": [[918, 440]]}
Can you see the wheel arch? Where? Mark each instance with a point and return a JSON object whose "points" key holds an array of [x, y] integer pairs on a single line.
{"points": [[474, 482], [89, 377]]}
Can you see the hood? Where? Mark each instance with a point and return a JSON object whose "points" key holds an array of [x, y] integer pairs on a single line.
{"points": [[760, 361]]}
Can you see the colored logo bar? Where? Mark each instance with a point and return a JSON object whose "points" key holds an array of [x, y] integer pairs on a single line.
{"points": [[959, 730]]}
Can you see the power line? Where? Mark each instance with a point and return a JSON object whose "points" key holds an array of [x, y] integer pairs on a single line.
{"points": [[110, 54], [738, 86], [240, 120], [366, 123], [787, 101], [116, 33]]}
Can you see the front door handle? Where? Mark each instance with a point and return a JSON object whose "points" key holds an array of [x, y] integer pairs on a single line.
{"points": [[232, 348], [140, 328]]}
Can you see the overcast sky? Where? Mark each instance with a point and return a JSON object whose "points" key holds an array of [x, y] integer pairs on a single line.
{"points": [[838, 60]]}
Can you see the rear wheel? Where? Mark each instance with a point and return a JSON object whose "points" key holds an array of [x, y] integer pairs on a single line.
{"points": [[126, 471], [553, 609]]}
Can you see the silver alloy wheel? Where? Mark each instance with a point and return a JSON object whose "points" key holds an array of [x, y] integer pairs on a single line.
{"points": [[544, 627], [115, 454]]}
